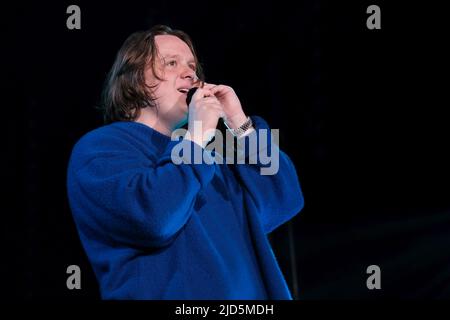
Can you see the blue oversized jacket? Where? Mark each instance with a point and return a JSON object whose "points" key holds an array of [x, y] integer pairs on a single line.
{"points": [[153, 229]]}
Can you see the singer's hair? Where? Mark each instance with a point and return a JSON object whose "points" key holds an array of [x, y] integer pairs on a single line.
{"points": [[125, 91]]}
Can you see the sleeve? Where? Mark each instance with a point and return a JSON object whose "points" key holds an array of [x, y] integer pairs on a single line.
{"points": [[268, 176], [131, 199]]}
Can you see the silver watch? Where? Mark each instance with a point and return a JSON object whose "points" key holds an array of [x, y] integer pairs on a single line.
{"points": [[242, 129]]}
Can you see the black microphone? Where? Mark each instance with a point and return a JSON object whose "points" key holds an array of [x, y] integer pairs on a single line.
{"points": [[190, 94]]}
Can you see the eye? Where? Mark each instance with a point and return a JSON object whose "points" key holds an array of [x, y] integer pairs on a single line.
{"points": [[171, 63]]}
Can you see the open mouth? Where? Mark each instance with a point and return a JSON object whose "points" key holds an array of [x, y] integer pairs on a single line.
{"points": [[183, 90]]}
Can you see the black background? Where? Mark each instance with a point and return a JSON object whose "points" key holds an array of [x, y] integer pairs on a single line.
{"points": [[362, 114]]}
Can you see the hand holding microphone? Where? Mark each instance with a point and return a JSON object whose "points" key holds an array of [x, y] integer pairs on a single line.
{"points": [[205, 110]]}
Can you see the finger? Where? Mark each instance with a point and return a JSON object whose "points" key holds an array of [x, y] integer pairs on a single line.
{"points": [[218, 89], [218, 109], [209, 85], [201, 93], [210, 99], [209, 103]]}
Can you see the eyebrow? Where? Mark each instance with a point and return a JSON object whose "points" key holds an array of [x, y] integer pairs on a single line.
{"points": [[177, 56]]}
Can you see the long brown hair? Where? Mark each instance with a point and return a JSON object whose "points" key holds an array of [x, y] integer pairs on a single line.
{"points": [[125, 91]]}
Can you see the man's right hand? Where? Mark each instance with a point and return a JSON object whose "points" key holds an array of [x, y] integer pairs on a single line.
{"points": [[204, 109]]}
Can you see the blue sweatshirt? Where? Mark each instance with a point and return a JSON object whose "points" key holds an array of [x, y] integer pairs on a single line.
{"points": [[153, 229]]}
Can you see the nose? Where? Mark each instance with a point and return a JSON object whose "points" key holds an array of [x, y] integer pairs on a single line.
{"points": [[188, 73]]}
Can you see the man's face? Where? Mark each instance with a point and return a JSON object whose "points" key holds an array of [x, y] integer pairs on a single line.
{"points": [[175, 64]]}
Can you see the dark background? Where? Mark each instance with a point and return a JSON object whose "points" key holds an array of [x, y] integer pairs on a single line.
{"points": [[362, 114]]}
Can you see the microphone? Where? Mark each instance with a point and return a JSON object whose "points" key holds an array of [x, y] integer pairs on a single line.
{"points": [[190, 93]]}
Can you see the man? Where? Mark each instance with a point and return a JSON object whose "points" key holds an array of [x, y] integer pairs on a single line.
{"points": [[153, 229]]}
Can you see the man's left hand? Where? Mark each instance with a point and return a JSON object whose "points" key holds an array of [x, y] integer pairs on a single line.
{"points": [[234, 115]]}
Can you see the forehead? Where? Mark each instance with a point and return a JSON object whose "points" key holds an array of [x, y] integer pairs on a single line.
{"points": [[172, 45]]}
